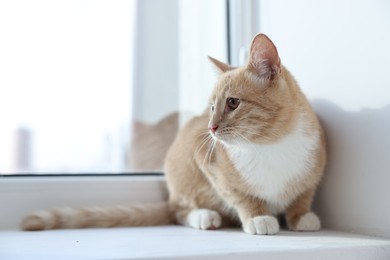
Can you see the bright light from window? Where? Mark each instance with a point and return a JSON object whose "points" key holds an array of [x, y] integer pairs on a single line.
{"points": [[65, 85]]}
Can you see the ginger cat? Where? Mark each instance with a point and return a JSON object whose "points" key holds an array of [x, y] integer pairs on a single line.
{"points": [[257, 152]]}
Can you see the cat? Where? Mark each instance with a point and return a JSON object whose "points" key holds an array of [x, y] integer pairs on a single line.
{"points": [[257, 152]]}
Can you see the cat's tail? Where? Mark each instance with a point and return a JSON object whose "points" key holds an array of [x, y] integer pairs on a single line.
{"points": [[153, 214]]}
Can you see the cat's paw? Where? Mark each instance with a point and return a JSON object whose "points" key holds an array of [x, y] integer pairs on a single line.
{"points": [[308, 222], [39, 220], [261, 225], [204, 219]]}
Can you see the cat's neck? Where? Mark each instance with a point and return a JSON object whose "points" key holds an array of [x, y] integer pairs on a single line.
{"points": [[291, 148], [270, 168]]}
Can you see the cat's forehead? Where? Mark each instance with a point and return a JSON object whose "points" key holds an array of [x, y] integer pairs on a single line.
{"points": [[238, 82], [230, 81]]}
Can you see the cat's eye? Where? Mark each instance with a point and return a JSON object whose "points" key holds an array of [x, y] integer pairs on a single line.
{"points": [[232, 103], [212, 108]]}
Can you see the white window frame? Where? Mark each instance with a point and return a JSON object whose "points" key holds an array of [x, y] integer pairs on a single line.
{"points": [[243, 25]]}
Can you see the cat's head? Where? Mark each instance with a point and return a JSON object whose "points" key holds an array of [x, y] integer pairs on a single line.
{"points": [[254, 103]]}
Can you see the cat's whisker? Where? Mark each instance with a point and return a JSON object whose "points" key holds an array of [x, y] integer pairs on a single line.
{"points": [[207, 138], [236, 130], [210, 144], [204, 134], [211, 152]]}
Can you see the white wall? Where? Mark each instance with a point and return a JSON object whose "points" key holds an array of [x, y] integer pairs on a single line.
{"points": [[339, 52]]}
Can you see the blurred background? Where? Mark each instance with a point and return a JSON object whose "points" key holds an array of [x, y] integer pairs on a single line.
{"points": [[102, 86], [83, 83], [65, 87]]}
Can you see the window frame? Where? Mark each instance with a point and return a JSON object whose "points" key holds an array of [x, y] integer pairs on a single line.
{"points": [[23, 193], [243, 24]]}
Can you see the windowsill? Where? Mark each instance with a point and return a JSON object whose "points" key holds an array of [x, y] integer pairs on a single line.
{"points": [[20, 195], [175, 242]]}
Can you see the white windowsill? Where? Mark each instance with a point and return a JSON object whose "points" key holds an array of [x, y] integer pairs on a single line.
{"points": [[175, 242], [20, 195]]}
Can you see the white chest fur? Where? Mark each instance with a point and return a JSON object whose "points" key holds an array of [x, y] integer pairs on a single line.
{"points": [[270, 168]]}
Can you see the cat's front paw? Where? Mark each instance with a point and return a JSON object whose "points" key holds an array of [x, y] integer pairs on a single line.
{"points": [[261, 225], [308, 222], [204, 219]]}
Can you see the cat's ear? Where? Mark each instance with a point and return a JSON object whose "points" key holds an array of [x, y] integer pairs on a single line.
{"points": [[264, 59], [222, 67]]}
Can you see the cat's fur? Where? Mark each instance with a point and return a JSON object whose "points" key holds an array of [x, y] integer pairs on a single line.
{"points": [[263, 154]]}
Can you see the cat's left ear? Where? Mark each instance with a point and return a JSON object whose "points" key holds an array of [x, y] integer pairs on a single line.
{"points": [[222, 67], [264, 59]]}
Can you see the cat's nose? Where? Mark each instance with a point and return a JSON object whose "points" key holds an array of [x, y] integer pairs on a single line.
{"points": [[213, 128]]}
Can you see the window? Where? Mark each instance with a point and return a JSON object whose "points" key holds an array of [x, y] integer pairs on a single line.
{"points": [[65, 86], [135, 62], [88, 86], [156, 51]]}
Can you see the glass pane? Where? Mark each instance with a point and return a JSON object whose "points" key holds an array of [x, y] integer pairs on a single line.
{"points": [[100, 86], [65, 85], [173, 76]]}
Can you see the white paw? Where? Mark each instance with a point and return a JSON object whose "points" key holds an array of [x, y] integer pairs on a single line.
{"points": [[204, 219], [308, 222], [262, 225]]}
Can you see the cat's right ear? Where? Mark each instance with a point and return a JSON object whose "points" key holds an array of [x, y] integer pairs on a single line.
{"points": [[264, 59], [222, 67]]}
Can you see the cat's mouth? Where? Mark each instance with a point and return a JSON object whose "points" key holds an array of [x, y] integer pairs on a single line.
{"points": [[225, 134], [234, 135]]}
